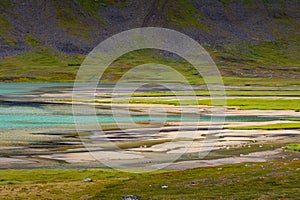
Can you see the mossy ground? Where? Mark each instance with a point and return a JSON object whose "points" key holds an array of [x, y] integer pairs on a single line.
{"points": [[269, 180]]}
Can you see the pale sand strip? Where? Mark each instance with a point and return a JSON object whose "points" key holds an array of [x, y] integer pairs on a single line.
{"points": [[14, 161], [85, 157]]}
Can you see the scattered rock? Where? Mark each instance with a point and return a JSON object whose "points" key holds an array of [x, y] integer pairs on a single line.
{"points": [[85, 196], [131, 197], [87, 180], [164, 186]]}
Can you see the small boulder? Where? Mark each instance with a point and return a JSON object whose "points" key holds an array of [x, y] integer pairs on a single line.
{"points": [[85, 196], [130, 197], [85, 180]]}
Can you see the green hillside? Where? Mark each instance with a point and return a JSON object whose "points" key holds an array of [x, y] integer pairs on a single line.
{"points": [[47, 41]]}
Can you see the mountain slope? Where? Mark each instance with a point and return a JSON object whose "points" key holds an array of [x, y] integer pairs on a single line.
{"points": [[259, 35]]}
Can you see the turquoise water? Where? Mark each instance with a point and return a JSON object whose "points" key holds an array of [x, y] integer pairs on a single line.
{"points": [[20, 115]]}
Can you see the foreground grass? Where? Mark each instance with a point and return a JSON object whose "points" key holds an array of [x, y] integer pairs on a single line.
{"points": [[56, 183], [50, 183], [270, 180], [268, 127], [252, 181]]}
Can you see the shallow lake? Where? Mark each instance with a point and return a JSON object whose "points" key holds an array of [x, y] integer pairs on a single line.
{"points": [[26, 114], [17, 115]]}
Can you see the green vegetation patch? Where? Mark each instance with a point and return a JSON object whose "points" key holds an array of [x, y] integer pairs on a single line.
{"points": [[239, 103], [39, 65], [295, 147], [292, 119], [116, 3], [269, 127], [184, 14], [275, 54], [258, 81], [32, 41], [72, 21], [260, 104], [228, 93], [92, 7], [5, 30]]}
